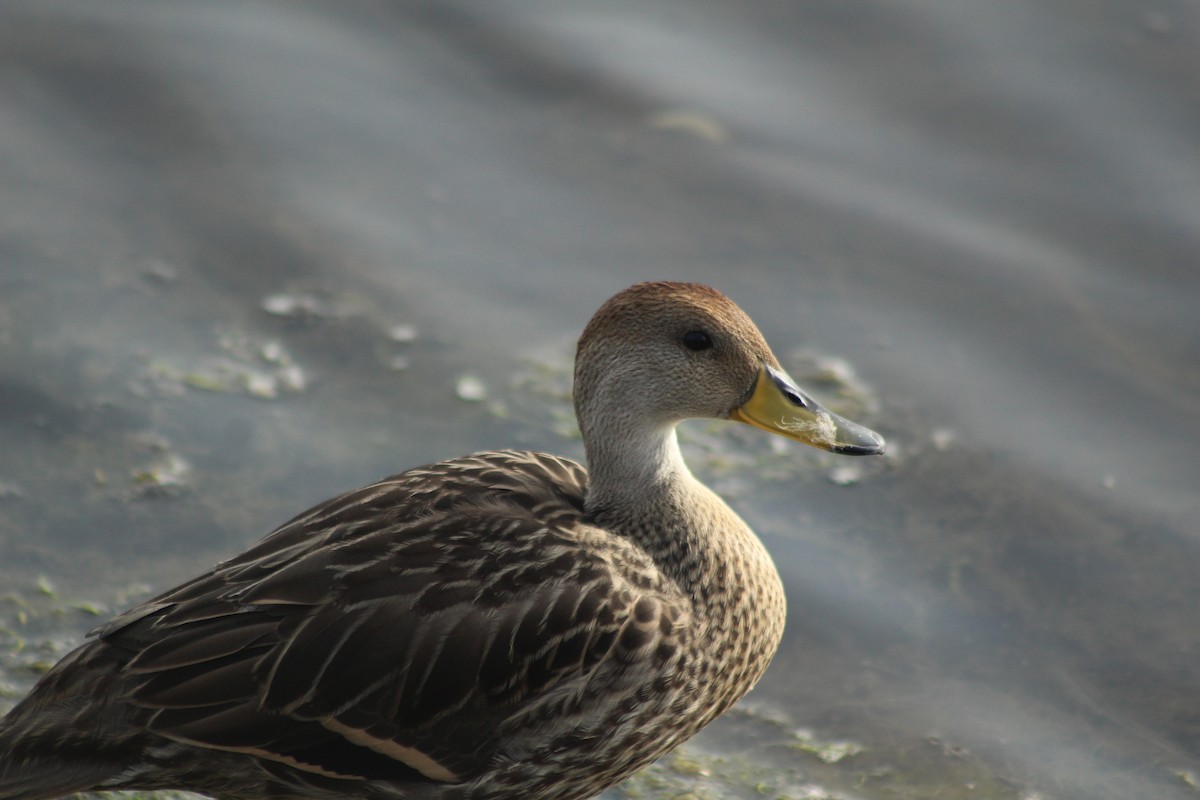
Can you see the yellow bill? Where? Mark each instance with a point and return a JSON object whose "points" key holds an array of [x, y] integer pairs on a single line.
{"points": [[778, 406]]}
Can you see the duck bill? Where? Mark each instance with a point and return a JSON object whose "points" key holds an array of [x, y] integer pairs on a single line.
{"points": [[777, 405]]}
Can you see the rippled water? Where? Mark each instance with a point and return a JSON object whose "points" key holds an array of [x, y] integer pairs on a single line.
{"points": [[255, 253]]}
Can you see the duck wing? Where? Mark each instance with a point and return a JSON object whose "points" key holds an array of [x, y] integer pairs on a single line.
{"points": [[411, 630]]}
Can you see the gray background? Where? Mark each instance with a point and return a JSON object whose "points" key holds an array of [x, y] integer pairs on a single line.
{"points": [[249, 251]]}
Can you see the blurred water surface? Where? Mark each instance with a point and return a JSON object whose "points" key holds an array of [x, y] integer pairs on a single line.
{"points": [[254, 253]]}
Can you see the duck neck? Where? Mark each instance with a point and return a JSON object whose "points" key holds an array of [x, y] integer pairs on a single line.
{"points": [[635, 474], [640, 487]]}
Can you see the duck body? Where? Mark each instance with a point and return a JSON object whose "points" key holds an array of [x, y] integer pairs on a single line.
{"points": [[493, 626], [483, 682]]}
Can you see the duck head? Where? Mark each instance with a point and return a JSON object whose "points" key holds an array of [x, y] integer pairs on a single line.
{"points": [[659, 353]]}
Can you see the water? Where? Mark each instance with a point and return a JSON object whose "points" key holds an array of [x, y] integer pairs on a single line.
{"points": [[214, 218]]}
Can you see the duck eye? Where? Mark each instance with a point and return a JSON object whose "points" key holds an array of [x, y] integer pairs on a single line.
{"points": [[697, 340]]}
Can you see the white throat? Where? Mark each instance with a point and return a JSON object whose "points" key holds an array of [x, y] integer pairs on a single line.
{"points": [[636, 471]]}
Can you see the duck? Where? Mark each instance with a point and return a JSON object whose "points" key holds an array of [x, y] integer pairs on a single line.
{"points": [[505, 624]]}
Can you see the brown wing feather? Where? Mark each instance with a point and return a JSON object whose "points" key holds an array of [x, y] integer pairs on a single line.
{"points": [[399, 626]]}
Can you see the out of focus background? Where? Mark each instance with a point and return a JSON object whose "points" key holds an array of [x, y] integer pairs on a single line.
{"points": [[255, 253]]}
